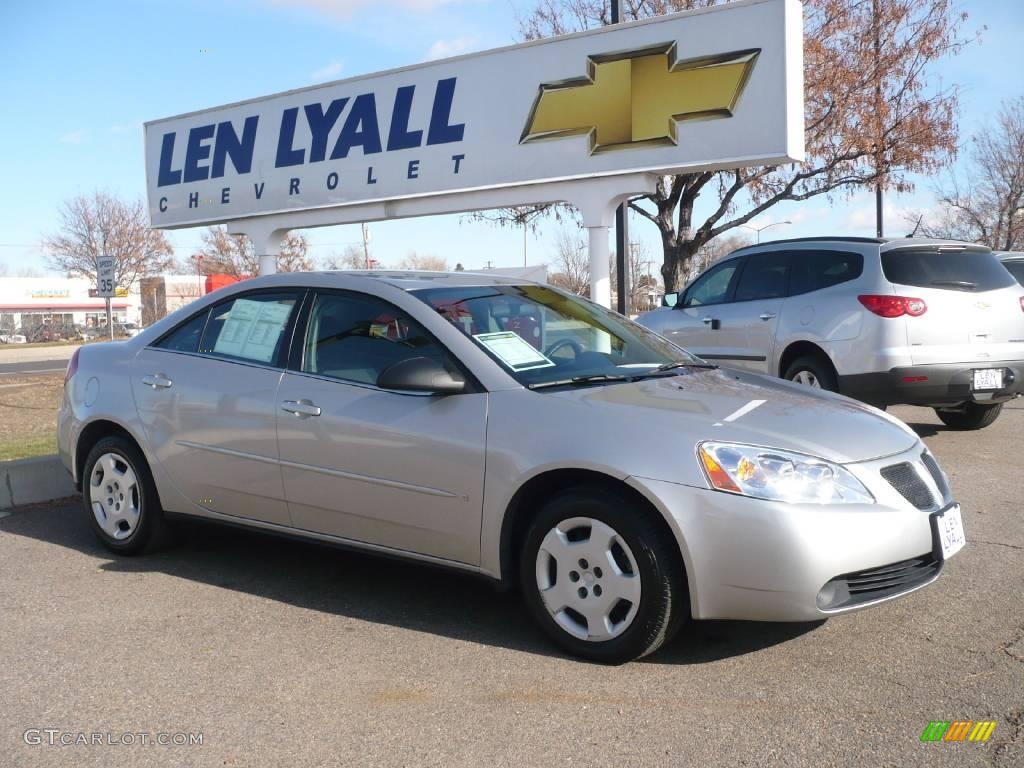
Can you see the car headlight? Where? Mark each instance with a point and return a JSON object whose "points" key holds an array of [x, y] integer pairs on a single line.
{"points": [[766, 473]]}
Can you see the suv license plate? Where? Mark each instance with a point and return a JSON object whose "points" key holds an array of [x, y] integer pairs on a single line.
{"points": [[949, 527], [988, 378]]}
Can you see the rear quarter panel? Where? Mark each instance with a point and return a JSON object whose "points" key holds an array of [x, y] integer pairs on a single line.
{"points": [[101, 391]]}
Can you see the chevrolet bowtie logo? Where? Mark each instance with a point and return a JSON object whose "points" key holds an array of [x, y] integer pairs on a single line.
{"points": [[634, 99]]}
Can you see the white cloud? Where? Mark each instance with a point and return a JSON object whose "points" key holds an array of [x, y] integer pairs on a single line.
{"points": [[443, 49], [73, 137], [343, 9], [862, 220], [330, 72]]}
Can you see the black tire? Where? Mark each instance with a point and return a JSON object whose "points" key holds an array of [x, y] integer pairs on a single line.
{"points": [[664, 601], [151, 528], [820, 368], [973, 416]]}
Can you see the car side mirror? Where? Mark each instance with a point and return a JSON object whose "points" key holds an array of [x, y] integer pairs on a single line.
{"points": [[421, 374], [670, 299]]}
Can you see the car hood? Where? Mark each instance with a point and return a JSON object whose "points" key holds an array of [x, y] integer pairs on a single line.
{"points": [[740, 407]]}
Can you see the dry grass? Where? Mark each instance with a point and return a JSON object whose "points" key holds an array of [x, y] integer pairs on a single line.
{"points": [[28, 415]]}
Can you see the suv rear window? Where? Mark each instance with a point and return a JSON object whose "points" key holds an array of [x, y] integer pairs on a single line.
{"points": [[967, 270]]}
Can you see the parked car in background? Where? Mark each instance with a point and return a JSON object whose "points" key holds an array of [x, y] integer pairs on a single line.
{"points": [[510, 430], [1014, 263], [12, 338], [913, 321]]}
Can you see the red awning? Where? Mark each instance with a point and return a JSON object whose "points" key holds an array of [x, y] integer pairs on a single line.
{"points": [[63, 305]]}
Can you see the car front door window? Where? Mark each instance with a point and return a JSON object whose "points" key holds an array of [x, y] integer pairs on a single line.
{"points": [[712, 287]]}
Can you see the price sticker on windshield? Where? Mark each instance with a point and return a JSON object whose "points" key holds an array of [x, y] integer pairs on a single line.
{"points": [[513, 350]]}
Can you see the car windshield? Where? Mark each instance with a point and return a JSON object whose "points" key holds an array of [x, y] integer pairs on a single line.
{"points": [[543, 337]]}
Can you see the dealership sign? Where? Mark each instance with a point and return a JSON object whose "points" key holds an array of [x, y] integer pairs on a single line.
{"points": [[699, 90]]}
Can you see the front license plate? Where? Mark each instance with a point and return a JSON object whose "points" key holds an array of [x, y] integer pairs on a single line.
{"points": [[949, 527], [988, 378]]}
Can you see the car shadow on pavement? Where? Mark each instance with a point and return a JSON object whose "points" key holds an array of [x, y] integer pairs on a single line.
{"points": [[369, 588]]}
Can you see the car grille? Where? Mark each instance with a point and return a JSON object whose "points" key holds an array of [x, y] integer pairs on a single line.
{"points": [[904, 478], [866, 586], [936, 473]]}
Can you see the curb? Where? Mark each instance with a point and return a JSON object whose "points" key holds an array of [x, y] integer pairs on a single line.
{"points": [[30, 481]]}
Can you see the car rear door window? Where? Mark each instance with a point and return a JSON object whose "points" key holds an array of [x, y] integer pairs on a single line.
{"points": [[814, 270], [250, 328], [712, 287], [764, 276], [355, 337], [968, 269], [184, 338]]}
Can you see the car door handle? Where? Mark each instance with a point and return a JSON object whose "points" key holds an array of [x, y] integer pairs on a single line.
{"points": [[707, 320], [767, 315], [301, 408], [157, 381]]}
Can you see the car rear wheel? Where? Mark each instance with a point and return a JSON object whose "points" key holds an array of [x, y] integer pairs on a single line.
{"points": [[812, 372], [120, 498], [602, 579], [971, 416]]}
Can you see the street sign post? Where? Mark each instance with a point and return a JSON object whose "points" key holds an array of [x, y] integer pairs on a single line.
{"points": [[106, 287]]}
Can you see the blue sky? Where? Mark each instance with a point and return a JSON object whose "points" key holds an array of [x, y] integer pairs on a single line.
{"points": [[79, 80]]}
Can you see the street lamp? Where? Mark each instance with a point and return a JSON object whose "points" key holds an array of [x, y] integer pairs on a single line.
{"points": [[766, 226]]}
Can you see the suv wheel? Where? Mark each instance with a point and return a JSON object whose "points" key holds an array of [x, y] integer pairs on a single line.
{"points": [[812, 371], [971, 416], [120, 498], [601, 578]]}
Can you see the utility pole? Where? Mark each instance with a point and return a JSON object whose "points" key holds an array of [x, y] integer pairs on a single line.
{"points": [[879, 181], [366, 247], [621, 224], [524, 241]]}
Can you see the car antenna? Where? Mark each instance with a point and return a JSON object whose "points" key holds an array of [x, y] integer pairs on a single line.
{"points": [[917, 226]]}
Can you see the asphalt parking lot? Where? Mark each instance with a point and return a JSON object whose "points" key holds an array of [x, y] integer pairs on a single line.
{"points": [[285, 653]]}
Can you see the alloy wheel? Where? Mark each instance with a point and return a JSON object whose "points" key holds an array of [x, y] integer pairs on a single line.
{"points": [[588, 579]]}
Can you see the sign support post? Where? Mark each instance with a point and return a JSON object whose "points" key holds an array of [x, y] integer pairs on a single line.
{"points": [[621, 225], [105, 287]]}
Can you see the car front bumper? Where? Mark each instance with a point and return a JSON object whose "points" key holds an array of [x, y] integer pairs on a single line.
{"points": [[771, 561], [933, 385]]}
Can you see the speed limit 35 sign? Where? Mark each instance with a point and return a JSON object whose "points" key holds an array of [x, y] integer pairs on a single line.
{"points": [[105, 287]]}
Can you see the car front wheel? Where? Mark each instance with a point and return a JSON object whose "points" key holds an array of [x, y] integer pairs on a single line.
{"points": [[120, 498], [603, 580]]}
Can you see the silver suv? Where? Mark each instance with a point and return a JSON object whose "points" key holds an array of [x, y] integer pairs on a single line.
{"points": [[922, 322]]}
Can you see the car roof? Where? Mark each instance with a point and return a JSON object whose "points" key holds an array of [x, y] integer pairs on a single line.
{"points": [[411, 280], [884, 243], [1010, 255]]}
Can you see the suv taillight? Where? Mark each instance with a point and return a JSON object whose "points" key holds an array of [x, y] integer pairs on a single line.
{"points": [[893, 306], [72, 366], [1022, 303]]}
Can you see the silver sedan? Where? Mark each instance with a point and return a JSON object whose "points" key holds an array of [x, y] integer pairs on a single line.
{"points": [[513, 431]]}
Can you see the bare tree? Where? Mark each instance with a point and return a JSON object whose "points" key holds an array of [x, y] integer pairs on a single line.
{"points": [[103, 225], [235, 255], [415, 261], [987, 207], [710, 252], [571, 265], [352, 257], [869, 118]]}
